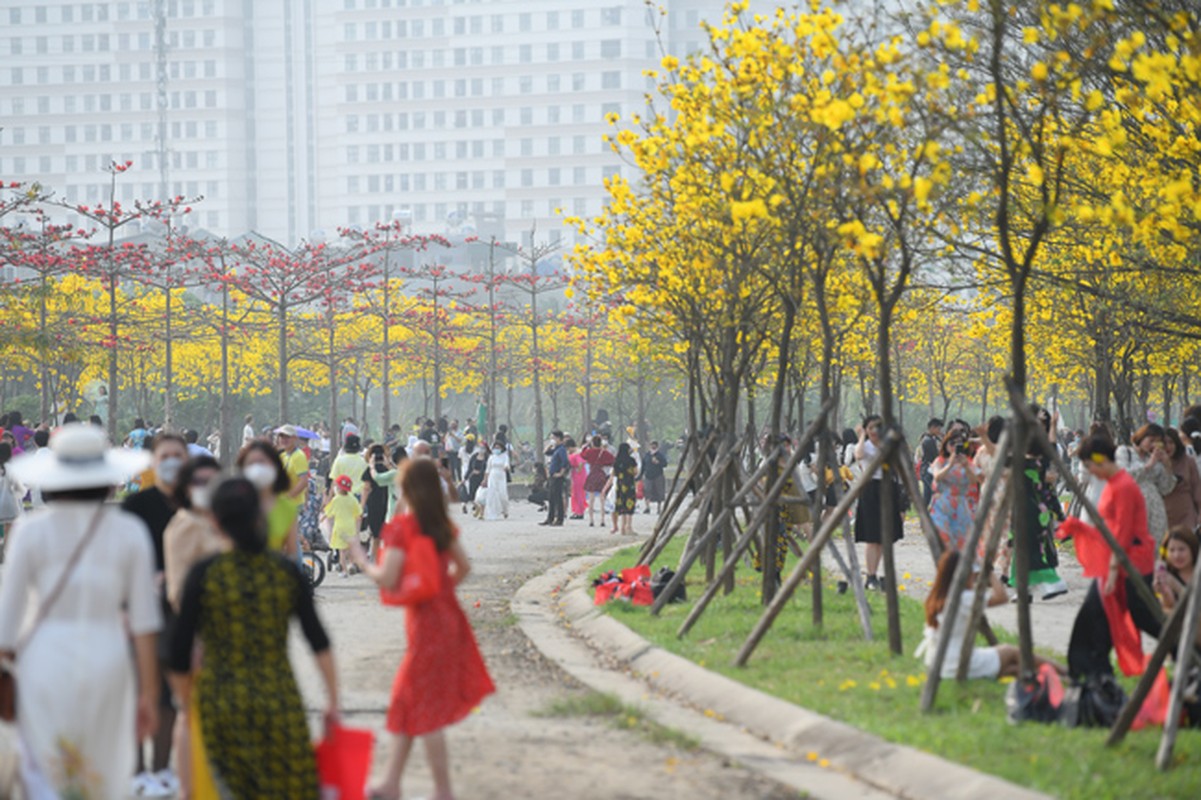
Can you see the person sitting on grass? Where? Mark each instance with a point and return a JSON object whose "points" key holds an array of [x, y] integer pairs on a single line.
{"points": [[991, 663]]}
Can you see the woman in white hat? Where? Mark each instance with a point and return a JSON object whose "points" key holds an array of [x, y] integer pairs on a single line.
{"points": [[88, 568]]}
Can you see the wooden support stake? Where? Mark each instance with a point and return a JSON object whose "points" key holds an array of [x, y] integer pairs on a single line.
{"points": [[702, 494], [752, 526], [976, 618], [819, 541], [691, 552], [909, 478], [676, 500], [959, 583], [1171, 630]]}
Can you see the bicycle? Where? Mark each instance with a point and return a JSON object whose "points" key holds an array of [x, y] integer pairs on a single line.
{"points": [[314, 567]]}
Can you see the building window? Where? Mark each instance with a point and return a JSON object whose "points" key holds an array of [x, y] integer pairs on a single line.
{"points": [[577, 19], [611, 80], [611, 15], [527, 178], [611, 48], [525, 22]]}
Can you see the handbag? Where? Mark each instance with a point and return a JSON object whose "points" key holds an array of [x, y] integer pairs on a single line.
{"points": [[1095, 703], [1038, 699], [8, 678], [421, 573]]}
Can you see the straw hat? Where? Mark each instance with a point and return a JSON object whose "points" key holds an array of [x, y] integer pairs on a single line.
{"points": [[78, 458]]}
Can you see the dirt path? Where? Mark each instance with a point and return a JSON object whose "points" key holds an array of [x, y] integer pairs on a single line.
{"points": [[505, 750]]}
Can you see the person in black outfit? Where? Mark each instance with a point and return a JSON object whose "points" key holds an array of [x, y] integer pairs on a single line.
{"points": [[652, 477], [375, 508], [927, 450], [155, 505], [557, 471]]}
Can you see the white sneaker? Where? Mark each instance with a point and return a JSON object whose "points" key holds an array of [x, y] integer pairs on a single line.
{"points": [[146, 784], [1052, 590], [168, 781]]}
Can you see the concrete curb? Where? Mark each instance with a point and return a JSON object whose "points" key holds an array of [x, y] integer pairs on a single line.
{"points": [[877, 767]]}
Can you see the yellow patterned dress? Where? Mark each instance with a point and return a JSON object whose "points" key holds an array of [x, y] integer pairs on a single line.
{"points": [[255, 733]]}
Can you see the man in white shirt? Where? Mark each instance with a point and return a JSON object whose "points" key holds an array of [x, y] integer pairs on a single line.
{"points": [[248, 430]]}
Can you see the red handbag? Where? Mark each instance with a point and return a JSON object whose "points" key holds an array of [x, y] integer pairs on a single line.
{"points": [[422, 572], [344, 762]]}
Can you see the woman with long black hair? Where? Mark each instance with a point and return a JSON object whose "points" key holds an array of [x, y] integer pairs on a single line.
{"points": [[240, 604]]}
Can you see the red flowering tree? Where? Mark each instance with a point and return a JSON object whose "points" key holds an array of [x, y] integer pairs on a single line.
{"points": [[286, 283], [39, 249], [382, 257], [534, 281], [99, 254]]}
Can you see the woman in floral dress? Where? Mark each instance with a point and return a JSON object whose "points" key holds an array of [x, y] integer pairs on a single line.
{"points": [[625, 475], [952, 507]]}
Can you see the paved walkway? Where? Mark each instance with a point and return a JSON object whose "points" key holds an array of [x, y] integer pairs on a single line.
{"points": [[507, 750]]}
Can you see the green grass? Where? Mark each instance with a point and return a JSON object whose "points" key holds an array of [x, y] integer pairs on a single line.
{"points": [[833, 671], [621, 716]]}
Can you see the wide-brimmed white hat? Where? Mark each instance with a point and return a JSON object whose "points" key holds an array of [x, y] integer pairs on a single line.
{"points": [[78, 458]]}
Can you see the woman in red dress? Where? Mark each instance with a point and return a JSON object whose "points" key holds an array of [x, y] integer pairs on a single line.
{"points": [[442, 677], [599, 461]]}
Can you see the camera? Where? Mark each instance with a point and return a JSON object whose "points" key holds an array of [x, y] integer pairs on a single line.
{"points": [[963, 448]]}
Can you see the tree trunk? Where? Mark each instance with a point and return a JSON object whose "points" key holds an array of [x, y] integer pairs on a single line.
{"points": [[535, 357], [168, 374], [385, 381], [887, 534], [333, 376], [227, 445], [43, 367], [282, 351], [771, 531]]}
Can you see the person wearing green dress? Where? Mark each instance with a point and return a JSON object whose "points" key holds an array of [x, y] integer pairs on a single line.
{"points": [[240, 604]]}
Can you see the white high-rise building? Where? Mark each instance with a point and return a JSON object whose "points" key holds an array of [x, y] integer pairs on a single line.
{"points": [[291, 116]]}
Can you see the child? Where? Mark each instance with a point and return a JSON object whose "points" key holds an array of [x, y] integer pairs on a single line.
{"points": [[345, 513], [442, 677]]}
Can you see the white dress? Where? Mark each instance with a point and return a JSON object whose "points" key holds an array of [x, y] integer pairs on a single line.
{"points": [[985, 662], [496, 496], [76, 676]]}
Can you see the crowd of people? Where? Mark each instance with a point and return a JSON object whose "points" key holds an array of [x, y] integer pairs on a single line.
{"points": [[172, 570], [197, 570]]}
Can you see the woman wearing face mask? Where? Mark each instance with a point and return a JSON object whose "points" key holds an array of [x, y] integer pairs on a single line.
{"points": [[496, 498], [155, 505], [191, 537], [259, 463]]}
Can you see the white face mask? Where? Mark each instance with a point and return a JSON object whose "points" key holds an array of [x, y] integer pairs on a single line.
{"points": [[260, 474], [168, 470], [200, 497]]}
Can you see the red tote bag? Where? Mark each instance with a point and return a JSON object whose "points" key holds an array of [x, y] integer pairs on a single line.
{"points": [[421, 574], [344, 762]]}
